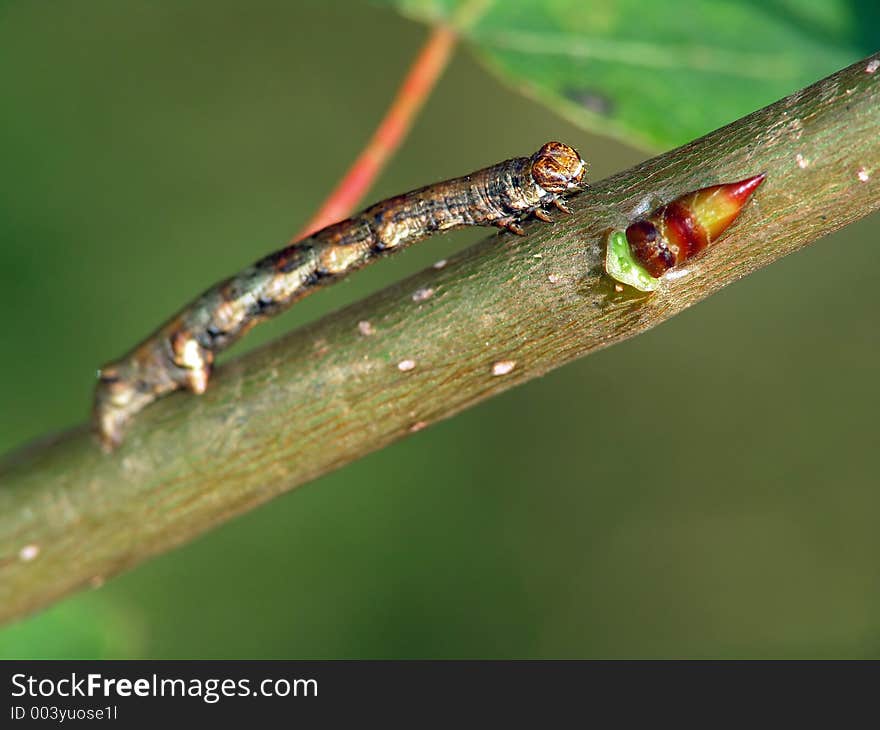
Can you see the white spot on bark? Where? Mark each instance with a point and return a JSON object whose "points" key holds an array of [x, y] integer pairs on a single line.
{"points": [[423, 294], [553, 278], [365, 328], [645, 205], [406, 365], [618, 288], [28, 553], [418, 426], [674, 274], [872, 66], [503, 367], [863, 174], [440, 264], [802, 162]]}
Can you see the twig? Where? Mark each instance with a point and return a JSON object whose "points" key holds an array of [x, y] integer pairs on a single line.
{"points": [[501, 313], [412, 94]]}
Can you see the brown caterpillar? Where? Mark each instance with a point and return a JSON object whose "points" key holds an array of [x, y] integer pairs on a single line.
{"points": [[675, 232], [180, 354]]}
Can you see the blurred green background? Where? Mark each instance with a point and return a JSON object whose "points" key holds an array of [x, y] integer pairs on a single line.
{"points": [[150, 148]]}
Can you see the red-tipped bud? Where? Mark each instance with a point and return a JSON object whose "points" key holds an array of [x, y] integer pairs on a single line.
{"points": [[687, 225]]}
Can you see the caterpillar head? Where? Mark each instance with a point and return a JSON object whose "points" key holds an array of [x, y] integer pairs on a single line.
{"points": [[558, 168]]}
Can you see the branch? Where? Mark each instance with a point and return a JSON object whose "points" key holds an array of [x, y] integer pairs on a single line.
{"points": [[501, 313]]}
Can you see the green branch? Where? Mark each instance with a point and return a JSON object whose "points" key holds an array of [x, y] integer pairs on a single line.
{"points": [[505, 311]]}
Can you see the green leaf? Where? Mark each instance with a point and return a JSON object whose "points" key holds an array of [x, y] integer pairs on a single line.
{"points": [[659, 74]]}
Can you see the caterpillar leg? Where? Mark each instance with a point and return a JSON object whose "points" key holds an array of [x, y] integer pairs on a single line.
{"points": [[115, 401], [560, 205], [542, 215], [193, 360], [122, 392], [161, 365], [510, 224]]}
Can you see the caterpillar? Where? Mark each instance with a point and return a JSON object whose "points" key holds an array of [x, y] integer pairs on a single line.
{"points": [[181, 352], [675, 232]]}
